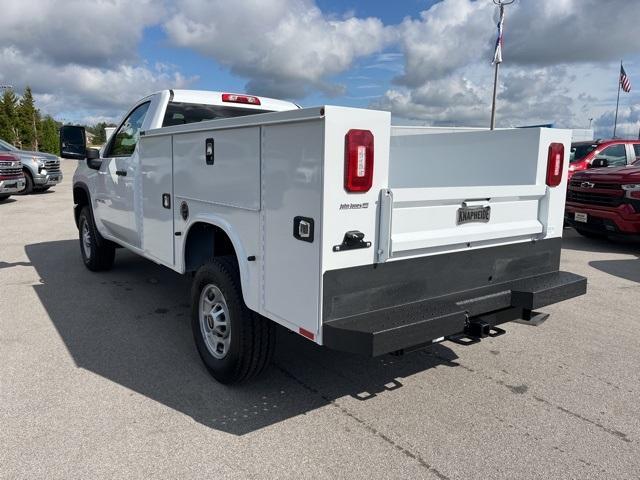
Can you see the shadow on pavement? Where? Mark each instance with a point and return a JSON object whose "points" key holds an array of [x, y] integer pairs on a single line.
{"points": [[572, 240], [628, 269], [131, 325]]}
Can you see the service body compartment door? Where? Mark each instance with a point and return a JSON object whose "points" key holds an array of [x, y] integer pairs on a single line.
{"points": [[156, 172], [228, 176], [292, 187]]}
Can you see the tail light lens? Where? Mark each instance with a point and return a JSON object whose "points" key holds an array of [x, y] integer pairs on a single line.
{"points": [[555, 162], [358, 161], [233, 98]]}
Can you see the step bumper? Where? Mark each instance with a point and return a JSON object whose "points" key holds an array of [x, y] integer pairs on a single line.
{"points": [[372, 310]]}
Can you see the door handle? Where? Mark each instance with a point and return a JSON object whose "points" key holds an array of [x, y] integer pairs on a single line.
{"points": [[122, 173]]}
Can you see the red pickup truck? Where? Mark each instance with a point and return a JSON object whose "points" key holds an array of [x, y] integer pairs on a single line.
{"points": [[605, 201], [11, 175]]}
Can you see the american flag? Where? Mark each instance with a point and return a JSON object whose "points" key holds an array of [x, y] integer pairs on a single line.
{"points": [[624, 80], [497, 55]]}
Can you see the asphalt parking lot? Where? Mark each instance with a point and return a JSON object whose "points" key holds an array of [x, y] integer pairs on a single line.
{"points": [[99, 378]]}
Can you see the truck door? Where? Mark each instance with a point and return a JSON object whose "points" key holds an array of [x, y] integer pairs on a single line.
{"points": [[115, 199]]}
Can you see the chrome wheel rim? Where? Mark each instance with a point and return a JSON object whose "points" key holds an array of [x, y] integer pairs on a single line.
{"points": [[214, 321], [86, 240]]}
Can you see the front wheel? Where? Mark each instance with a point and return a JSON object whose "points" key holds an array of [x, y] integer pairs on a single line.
{"points": [[234, 343], [28, 184], [4, 197], [97, 253]]}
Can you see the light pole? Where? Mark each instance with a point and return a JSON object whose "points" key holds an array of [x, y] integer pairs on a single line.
{"points": [[590, 120], [497, 57]]}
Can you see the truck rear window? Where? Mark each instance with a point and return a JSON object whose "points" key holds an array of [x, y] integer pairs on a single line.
{"points": [[182, 113], [581, 150]]}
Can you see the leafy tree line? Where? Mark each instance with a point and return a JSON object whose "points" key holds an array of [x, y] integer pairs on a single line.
{"points": [[22, 124]]}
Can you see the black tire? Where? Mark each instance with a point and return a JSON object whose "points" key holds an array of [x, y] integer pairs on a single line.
{"points": [[590, 234], [251, 337], [97, 254], [4, 197], [28, 183]]}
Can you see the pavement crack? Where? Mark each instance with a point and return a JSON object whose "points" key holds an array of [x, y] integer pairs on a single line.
{"points": [[616, 433], [522, 389], [370, 428]]}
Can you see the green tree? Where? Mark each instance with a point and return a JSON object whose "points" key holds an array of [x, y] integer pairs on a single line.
{"points": [[28, 120], [9, 131], [49, 135], [98, 130]]}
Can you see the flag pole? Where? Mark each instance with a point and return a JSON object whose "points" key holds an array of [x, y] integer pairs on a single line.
{"points": [[495, 92], [615, 122], [497, 59]]}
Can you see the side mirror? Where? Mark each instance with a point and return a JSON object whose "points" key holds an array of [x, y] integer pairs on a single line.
{"points": [[73, 142], [93, 158], [599, 163]]}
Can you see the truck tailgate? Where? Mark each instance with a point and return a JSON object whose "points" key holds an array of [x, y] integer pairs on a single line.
{"points": [[469, 189]]}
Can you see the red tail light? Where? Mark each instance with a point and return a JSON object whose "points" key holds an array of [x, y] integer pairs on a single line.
{"points": [[233, 98], [358, 161], [555, 162]]}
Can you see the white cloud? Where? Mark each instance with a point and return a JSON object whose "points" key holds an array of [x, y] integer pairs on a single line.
{"points": [[628, 122], [450, 101], [282, 46], [97, 33], [559, 62], [81, 59], [449, 35], [548, 32], [73, 90]]}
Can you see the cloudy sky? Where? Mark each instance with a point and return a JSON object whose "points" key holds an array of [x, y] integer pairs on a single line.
{"points": [[428, 62]]}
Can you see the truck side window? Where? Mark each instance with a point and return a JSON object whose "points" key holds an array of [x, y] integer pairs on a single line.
{"points": [[636, 148], [615, 154], [126, 138]]}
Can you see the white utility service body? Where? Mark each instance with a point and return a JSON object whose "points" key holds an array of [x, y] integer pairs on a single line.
{"points": [[454, 234]]}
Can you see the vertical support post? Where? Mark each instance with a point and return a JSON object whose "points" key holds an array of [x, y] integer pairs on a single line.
{"points": [[495, 93], [615, 122]]}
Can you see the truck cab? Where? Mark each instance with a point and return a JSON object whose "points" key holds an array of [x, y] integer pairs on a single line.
{"points": [[328, 221], [616, 152], [113, 184]]}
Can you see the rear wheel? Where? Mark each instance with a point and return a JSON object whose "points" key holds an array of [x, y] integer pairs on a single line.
{"points": [[4, 197], [234, 343], [97, 253], [590, 234]]}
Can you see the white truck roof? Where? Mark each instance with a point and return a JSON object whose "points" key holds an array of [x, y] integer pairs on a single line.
{"points": [[207, 97]]}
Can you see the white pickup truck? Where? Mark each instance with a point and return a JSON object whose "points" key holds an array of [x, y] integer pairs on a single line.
{"points": [[355, 234]]}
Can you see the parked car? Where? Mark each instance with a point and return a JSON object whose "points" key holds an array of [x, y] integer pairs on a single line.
{"points": [[327, 221], [605, 201], [11, 175], [41, 170], [616, 152]]}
